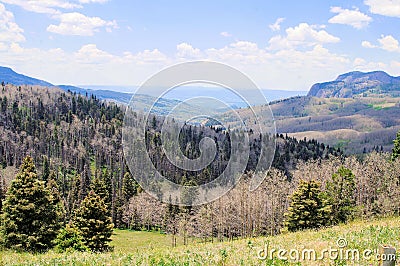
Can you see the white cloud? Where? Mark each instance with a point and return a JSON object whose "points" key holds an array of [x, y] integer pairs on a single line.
{"points": [[146, 57], [394, 67], [16, 48], [359, 62], [50, 6], [302, 35], [390, 8], [91, 54], [185, 50], [318, 57], [93, 65], [72, 23], [242, 52], [225, 34], [354, 18], [87, 65], [395, 64], [151, 56], [387, 43], [277, 24], [363, 65], [43, 6], [291, 68], [79, 24], [9, 30], [367, 44], [283, 69], [3, 46]]}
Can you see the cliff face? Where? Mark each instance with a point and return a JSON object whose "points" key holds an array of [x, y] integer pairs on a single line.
{"points": [[355, 83]]}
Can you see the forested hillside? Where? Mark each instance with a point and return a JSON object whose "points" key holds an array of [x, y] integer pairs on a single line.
{"points": [[75, 143], [355, 125], [74, 139]]}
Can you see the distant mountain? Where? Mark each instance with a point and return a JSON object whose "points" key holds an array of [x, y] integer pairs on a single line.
{"points": [[162, 106], [124, 94], [358, 83], [355, 125], [121, 97], [7, 75]]}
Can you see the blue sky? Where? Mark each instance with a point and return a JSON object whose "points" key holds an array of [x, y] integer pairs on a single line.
{"points": [[279, 44]]}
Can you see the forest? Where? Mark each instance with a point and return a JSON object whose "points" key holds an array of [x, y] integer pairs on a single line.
{"points": [[68, 147]]}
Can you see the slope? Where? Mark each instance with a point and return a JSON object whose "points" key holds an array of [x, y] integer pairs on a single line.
{"points": [[357, 237], [356, 84], [358, 112], [7, 75]]}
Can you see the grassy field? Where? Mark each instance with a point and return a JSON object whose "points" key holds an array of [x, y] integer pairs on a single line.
{"points": [[152, 248]]}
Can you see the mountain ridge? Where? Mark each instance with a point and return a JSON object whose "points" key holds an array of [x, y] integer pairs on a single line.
{"points": [[7, 75], [357, 83]]}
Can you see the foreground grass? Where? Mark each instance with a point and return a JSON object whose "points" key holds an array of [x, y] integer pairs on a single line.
{"points": [[152, 248]]}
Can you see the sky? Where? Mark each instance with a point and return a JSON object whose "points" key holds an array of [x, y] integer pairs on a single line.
{"points": [[288, 45]]}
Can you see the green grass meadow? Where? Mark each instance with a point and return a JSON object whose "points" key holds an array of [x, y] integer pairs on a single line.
{"points": [[154, 248]]}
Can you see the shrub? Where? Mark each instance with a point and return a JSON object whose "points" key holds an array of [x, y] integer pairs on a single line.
{"points": [[69, 239]]}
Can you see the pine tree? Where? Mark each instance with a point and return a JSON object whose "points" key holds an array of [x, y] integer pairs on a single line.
{"points": [[52, 186], [308, 208], [84, 182], [30, 220], [129, 186], [93, 222], [396, 147], [341, 196], [99, 186], [46, 170], [119, 210], [73, 200], [69, 239]]}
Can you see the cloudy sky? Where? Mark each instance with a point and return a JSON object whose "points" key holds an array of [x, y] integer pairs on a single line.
{"points": [[280, 44]]}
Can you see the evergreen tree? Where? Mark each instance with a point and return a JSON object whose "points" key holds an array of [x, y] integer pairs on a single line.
{"points": [[46, 170], [30, 220], [99, 186], [93, 222], [73, 200], [69, 239], [84, 182], [107, 178], [341, 195], [52, 186], [119, 210], [308, 209], [129, 186], [396, 147]]}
